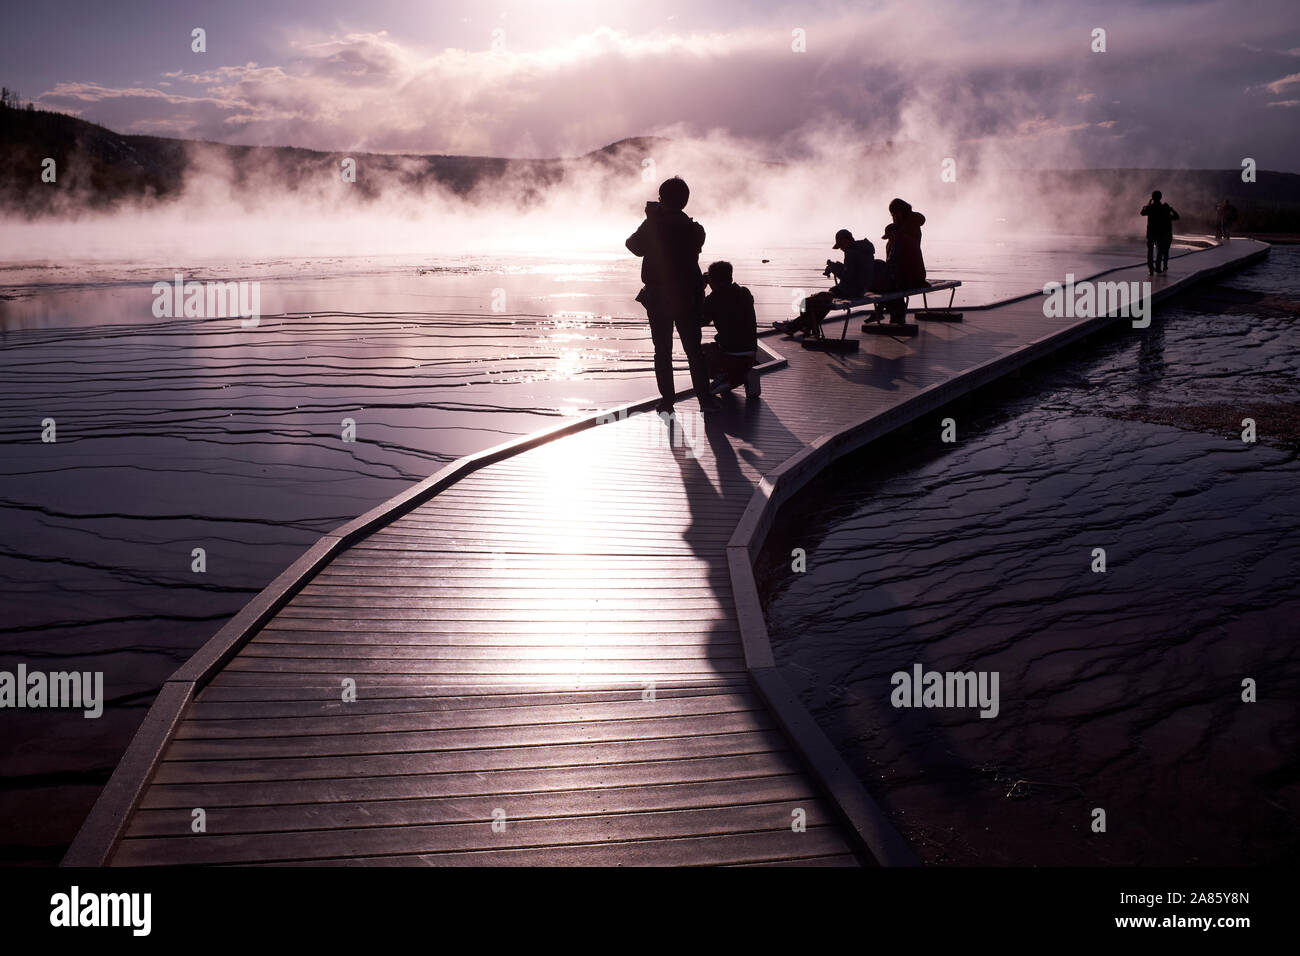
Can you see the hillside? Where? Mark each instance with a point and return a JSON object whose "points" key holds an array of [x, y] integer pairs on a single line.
{"points": [[1269, 205], [98, 168]]}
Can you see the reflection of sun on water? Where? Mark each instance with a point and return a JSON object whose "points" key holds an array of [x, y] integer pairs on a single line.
{"points": [[569, 331], [571, 319], [566, 271]]}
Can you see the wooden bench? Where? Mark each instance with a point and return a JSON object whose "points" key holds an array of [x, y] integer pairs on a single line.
{"points": [[874, 325]]}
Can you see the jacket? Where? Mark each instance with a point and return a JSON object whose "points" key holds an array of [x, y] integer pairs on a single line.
{"points": [[854, 275], [903, 253], [669, 244], [1160, 220], [730, 310]]}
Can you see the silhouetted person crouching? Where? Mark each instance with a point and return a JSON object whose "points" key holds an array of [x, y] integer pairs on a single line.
{"points": [[729, 308]]}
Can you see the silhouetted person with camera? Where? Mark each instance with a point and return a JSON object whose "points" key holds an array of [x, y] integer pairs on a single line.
{"points": [[853, 278], [1160, 233], [669, 244], [729, 308]]}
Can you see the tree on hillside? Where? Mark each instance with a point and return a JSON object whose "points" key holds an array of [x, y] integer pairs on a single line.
{"points": [[11, 99]]}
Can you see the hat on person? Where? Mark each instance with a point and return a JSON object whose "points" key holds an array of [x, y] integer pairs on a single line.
{"points": [[842, 239]]}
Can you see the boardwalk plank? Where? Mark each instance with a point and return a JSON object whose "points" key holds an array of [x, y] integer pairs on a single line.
{"points": [[457, 739], [733, 849], [471, 783], [210, 848], [295, 699], [499, 758], [513, 639], [346, 722], [285, 818]]}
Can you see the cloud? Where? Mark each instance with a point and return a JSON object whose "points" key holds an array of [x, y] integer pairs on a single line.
{"points": [[95, 93], [1277, 86], [952, 72]]}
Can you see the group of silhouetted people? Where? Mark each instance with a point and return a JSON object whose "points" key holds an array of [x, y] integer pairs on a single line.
{"points": [[1225, 214], [861, 272], [669, 243], [1161, 217]]}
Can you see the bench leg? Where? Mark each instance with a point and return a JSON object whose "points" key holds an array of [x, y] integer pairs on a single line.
{"points": [[945, 315]]}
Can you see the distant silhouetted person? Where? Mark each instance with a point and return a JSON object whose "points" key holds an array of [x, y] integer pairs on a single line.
{"points": [[903, 266], [1160, 233], [853, 278], [729, 308], [1225, 214], [669, 243]]}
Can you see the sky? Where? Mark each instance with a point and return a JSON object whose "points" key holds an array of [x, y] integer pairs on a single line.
{"points": [[1199, 84]]}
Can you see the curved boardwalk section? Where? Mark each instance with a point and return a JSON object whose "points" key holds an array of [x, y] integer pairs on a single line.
{"points": [[553, 656]]}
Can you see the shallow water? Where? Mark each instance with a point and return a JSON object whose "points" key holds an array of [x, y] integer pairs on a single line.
{"points": [[1118, 690], [176, 434]]}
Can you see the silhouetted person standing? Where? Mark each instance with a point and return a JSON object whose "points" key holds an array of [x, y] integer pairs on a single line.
{"points": [[1225, 216], [1160, 233], [669, 244]]}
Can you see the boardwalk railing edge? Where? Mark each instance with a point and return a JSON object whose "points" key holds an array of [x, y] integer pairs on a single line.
{"points": [[102, 829], [864, 817]]}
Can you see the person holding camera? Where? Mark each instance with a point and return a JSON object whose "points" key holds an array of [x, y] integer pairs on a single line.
{"points": [[669, 244], [853, 278], [729, 308]]}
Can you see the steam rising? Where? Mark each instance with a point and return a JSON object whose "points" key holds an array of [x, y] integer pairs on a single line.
{"points": [[266, 209], [780, 148]]}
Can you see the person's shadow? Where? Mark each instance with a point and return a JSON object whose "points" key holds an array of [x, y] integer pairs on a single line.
{"points": [[721, 461]]}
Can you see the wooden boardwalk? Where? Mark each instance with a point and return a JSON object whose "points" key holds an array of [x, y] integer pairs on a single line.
{"points": [[557, 658]]}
